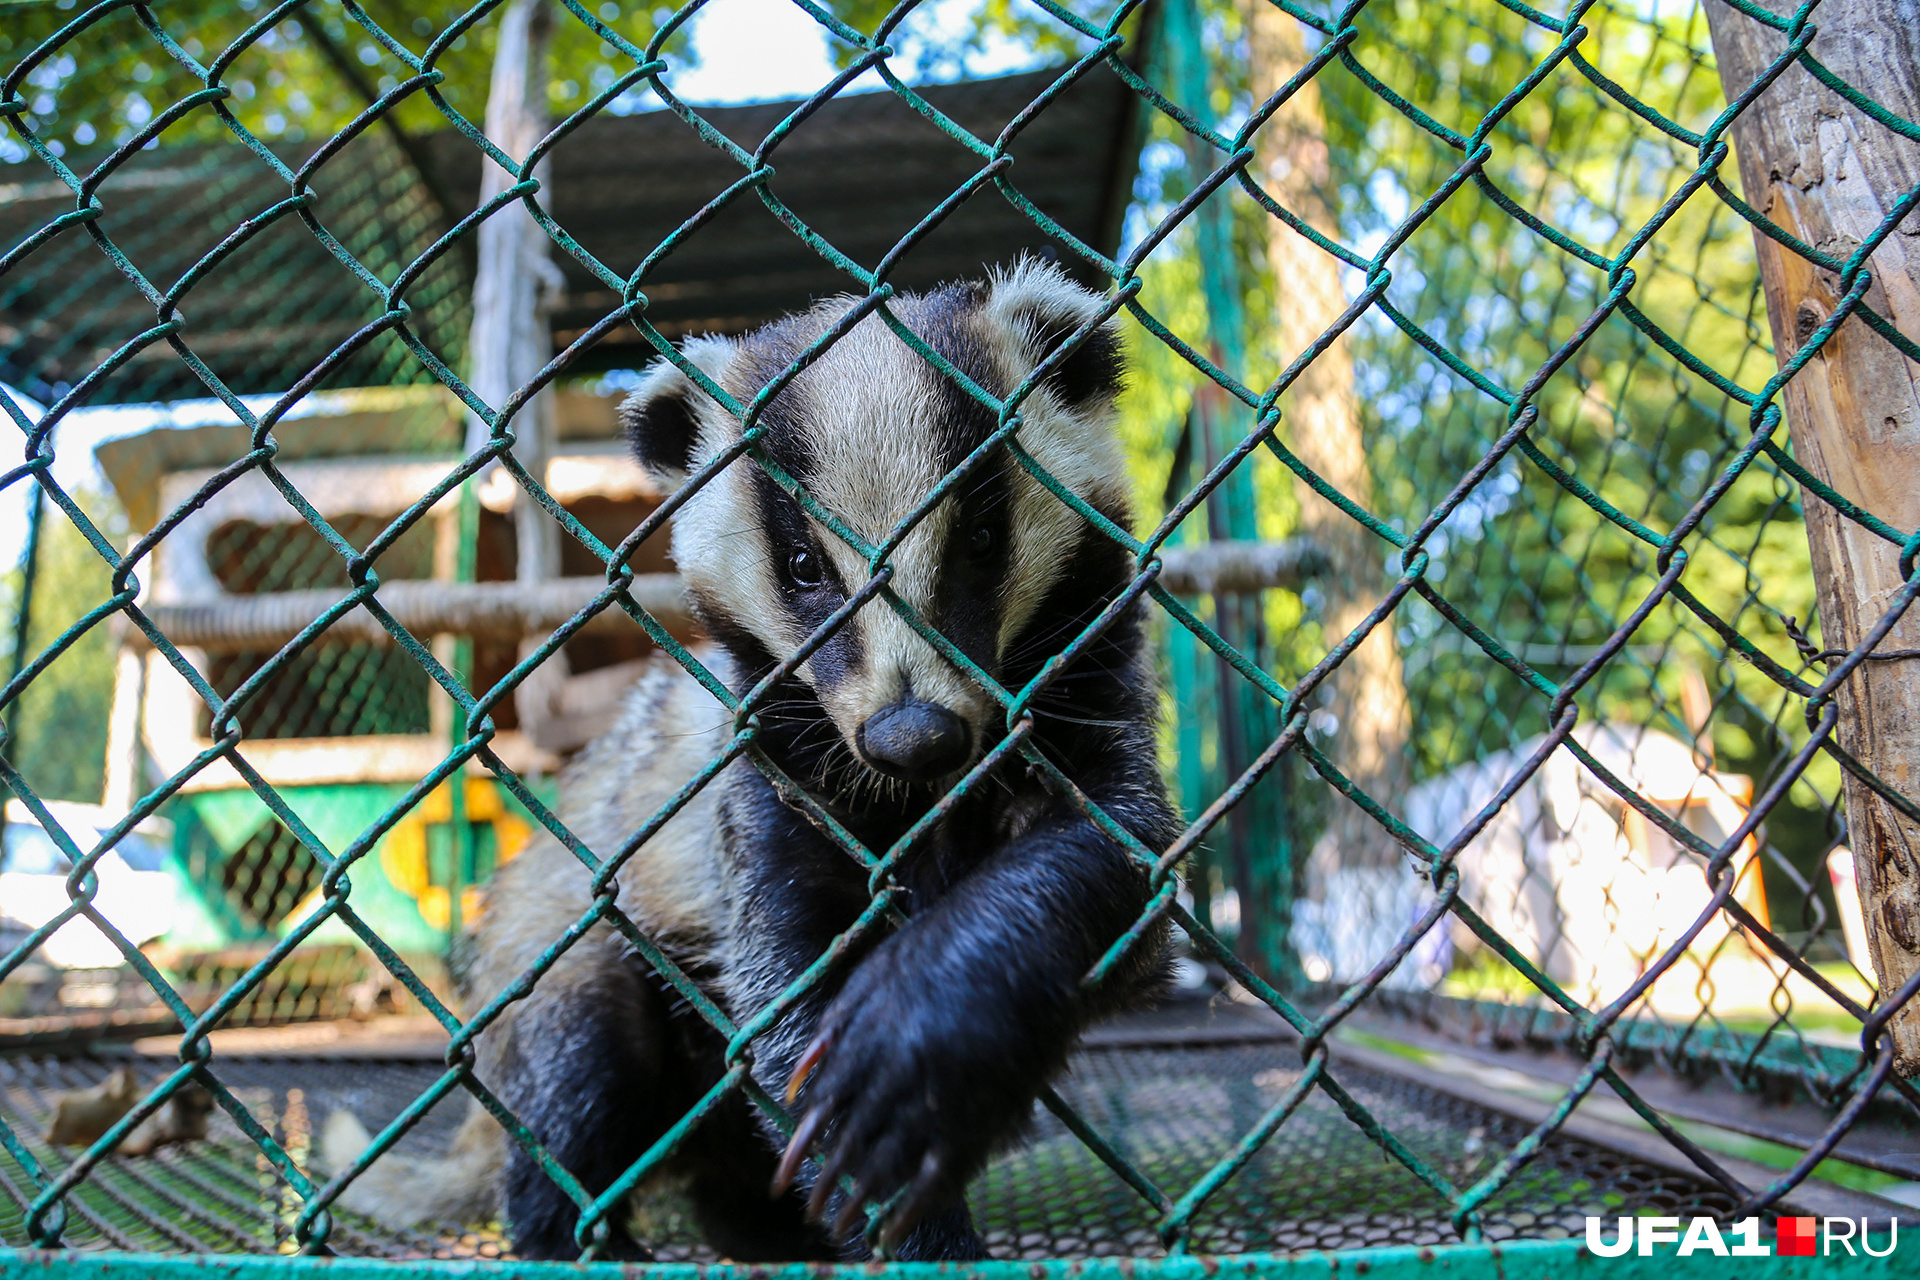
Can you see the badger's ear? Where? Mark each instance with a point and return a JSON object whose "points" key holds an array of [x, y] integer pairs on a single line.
{"points": [[1038, 303], [661, 419]]}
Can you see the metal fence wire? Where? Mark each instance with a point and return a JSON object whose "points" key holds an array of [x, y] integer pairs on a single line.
{"points": [[1571, 540]]}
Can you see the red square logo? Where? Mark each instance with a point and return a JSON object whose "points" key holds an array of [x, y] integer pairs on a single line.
{"points": [[1793, 1237]]}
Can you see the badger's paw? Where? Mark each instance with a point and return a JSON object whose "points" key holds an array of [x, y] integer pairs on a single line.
{"points": [[904, 1099]]}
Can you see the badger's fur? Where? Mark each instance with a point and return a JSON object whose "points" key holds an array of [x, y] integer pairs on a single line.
{"points": [[927, 1045]]}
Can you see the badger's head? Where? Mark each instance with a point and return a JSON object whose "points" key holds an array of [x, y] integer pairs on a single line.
{"points": [[1000, 567]]}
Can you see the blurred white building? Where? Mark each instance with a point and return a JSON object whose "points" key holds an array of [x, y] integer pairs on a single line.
{"points": [[1577, 879]]}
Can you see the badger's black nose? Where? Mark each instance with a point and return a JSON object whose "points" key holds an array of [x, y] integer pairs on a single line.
{"points": [[914, 740]]}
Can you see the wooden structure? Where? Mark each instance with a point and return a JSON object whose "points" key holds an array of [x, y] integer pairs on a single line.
{"points": [[352, 721]]}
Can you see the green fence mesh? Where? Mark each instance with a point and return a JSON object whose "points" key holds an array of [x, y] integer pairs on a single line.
{"points": [[1503, 245]]}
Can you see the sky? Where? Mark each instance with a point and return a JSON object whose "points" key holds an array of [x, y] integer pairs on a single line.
{"points": [[748, 50], [759, 50], [755, 50]]}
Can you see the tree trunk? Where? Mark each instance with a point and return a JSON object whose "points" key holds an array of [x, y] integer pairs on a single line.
{"points": [[1321, 424], [1828, 174]]}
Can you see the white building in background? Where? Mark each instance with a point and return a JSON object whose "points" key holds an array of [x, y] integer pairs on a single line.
{"points": [[1577, 879]]}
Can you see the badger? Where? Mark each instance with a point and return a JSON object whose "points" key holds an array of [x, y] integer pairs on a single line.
{"points": [[927, 1044]]}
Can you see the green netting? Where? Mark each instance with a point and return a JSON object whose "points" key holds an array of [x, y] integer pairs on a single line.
{"points": [[1172, 1111], [1571, 542]]}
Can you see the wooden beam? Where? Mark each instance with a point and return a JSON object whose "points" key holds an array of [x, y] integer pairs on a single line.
{"points": [[515, 286], [1826, 173], [1240, 568], [515, 610], [516, 281], [483, 610]]}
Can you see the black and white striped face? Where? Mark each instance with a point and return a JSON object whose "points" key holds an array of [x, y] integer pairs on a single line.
{"points": [[869, 429]]}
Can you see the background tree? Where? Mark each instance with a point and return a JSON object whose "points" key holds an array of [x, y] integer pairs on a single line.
{"points": [[295, 82], [57, 729], [1524, 559]]}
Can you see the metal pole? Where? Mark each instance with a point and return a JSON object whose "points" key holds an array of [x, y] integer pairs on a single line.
{"points": [[1259, 851]]}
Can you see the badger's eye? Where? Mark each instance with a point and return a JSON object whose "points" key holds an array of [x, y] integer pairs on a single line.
{"points": [[982, 541], [803, 567]]}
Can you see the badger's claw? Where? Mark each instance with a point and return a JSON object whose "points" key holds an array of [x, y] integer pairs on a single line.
{"points": [[850, 1212], [914, 1205], [796, 1152], [906, 1096], [809, 1061]]}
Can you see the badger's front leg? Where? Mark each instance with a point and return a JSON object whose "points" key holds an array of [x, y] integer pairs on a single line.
{"points": [[937, 1045], [580, 1063]]}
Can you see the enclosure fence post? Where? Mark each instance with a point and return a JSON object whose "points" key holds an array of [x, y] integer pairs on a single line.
{"points": [[1827, 173], [513, 280], [1258, 850]]}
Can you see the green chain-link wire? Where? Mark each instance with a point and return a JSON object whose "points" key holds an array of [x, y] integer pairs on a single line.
{"points": [[1221, 165]]}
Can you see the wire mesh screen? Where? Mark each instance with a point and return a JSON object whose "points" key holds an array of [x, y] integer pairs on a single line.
{"points": [[339, 691], [1467, 298], [1171, 1110], [71, 309], [1593, 878]]}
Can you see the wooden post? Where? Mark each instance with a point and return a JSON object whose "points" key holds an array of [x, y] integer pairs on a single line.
{"points": [[509, 343], [1320, 422], [121, 786], [1828, 174], [514, 279]]}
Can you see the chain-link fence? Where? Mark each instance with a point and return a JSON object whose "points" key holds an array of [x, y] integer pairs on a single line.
{"points": [[1554, 737]]}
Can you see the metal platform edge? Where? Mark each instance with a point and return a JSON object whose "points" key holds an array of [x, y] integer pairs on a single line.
{"points": [[1516, 1260], [1243, 1023]]}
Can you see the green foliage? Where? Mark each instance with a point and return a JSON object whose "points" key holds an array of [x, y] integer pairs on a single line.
{"points": [[294, 84], [1524, 559], [1646, 434], [1546, 575], [57, 730]]}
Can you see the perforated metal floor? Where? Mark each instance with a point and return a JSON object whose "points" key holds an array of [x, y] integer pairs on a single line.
{"points": [[1319, 1184]]}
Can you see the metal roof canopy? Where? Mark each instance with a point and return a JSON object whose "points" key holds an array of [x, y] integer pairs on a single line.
{"points": [[862, 171]]}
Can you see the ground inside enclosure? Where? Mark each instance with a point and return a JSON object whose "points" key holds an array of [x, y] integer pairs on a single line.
{"points": [[1172, 1109]]}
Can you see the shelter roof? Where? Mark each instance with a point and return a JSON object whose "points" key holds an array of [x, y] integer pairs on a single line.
{"points": [[862, 171]]}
